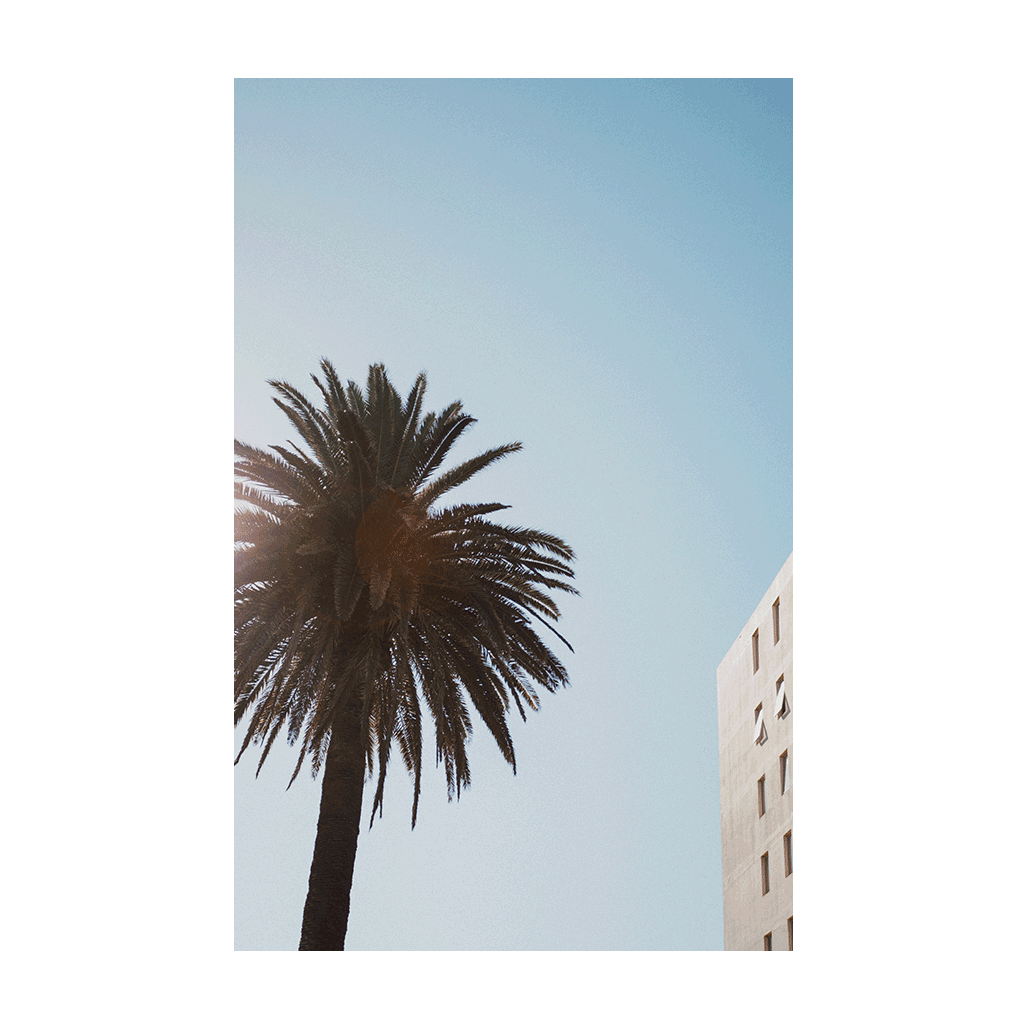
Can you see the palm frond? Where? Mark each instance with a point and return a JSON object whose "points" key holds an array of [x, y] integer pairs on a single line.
{"points": [[352, 591], [432, 447], [460, 474]]}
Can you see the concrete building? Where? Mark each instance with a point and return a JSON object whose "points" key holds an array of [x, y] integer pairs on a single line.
{"points": [[754, 722]]}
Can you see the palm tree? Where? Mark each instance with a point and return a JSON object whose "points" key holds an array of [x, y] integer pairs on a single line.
{"points": [[356, 599]]}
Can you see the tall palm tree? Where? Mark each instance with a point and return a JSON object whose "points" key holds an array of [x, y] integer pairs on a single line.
{"points": [[356, 599]]}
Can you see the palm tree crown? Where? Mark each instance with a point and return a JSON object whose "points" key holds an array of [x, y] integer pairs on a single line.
{"points": [[354, 592]]}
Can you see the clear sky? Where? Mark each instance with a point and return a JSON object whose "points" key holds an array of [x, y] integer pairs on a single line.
{"points": [[909, 336], [601, 270]]}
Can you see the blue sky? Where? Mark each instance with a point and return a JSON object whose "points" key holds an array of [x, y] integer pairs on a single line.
{"points": [[910, 563], [601, 270]]}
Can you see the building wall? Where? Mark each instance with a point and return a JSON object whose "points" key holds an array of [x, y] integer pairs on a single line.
{"points": [[745, 835]]}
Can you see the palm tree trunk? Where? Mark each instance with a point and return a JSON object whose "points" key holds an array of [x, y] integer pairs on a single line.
{"points": [[328, 892]]}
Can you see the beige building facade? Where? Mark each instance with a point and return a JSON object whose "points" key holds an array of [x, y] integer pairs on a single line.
{"points": [[755, 753]]}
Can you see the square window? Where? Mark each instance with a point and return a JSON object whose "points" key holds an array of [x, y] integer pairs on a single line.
{"points": [[756, 651], [784, 769], [767, 941], [787, 846], [761, 801], [790, 932], [776, 622], [765, 875]]}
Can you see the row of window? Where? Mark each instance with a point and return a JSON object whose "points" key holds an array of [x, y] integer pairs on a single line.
{"points": [[784, 778], [781, 710], [760, 737], [765, 864], [767, 938], [776, 628]]}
